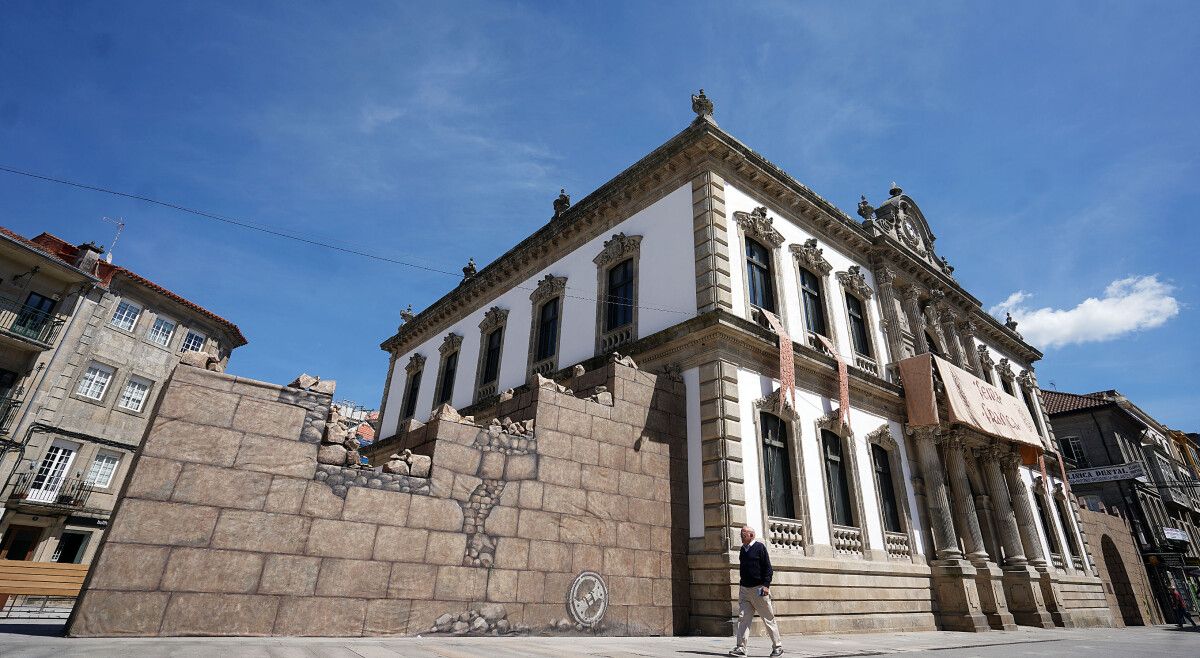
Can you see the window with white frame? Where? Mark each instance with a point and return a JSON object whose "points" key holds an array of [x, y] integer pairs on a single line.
{"points": [[162, 331], [101, 472], [193, 342], [1072, 449], [133, 396], [95, 381], [126, 315]]}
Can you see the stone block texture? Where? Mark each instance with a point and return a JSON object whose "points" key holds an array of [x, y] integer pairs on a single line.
{"points": [[228, 526]]}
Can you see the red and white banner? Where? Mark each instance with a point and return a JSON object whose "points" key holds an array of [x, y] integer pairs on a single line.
{"points": [[843, 381], [787, 367]]}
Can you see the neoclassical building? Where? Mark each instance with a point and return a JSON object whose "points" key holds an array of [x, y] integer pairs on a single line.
{"points": [[930, 501]]}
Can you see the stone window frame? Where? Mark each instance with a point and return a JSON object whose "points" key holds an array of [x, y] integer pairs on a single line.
{"points": [[882, 437], [617, 249], [832, 423], [852, 281], [1008, 380], [147, 402], [451, 346], [759, 227], [1046, 519], [414, 371], [1062, 511], [549, 288], [810, 257], [103, 400], [791, 420], [495, 318]]}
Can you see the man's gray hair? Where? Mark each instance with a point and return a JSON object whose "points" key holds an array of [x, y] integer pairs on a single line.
{"points": [[750, 528]]}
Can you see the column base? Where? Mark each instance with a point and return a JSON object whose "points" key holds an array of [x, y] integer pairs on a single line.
{"points": [[1023, 590], [1054, 601], [957, 596], [989, 580]]}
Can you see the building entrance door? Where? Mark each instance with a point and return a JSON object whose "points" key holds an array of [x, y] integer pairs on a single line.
{"points": [[52, 472], [19, 542]]}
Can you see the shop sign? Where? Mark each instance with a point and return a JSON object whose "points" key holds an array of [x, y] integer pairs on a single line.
{"points": [[1130, 471]]}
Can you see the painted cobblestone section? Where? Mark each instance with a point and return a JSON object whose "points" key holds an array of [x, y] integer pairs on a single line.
{"points": [[225, 529]]}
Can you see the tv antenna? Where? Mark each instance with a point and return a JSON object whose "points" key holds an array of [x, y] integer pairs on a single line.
{"points": [[120, 227]]}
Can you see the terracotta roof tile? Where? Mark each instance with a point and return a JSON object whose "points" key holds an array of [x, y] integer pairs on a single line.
{"points": [[1058, 402]]}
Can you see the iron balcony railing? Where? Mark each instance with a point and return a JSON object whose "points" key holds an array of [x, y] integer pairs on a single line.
{"points": [[29, 323], [36, 489], [8, 412]]}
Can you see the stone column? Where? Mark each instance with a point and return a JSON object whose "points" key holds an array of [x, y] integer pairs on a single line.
{"points": [[960, 488], [966, 336], [933, 320], [1027, 523], [885, 278], [916, 321], [953, 577], [953, 342]]}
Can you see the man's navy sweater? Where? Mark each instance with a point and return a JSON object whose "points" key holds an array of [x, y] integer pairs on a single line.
{"points": [[755, 565]]}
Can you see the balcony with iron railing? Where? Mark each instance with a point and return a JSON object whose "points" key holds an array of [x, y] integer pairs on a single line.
{"points": [[28, 325], [8, 411], [36, 490]]}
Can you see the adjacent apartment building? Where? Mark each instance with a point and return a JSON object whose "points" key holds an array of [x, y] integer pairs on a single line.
{"points": [[85, 346], [1124, 459], [705, 261]]}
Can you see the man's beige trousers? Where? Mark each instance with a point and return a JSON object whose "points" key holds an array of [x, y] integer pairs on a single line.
{"points": [[749, 603]]}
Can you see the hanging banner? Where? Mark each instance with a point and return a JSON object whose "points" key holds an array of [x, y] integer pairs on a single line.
{"points": [[843, 382], [787, 367]]}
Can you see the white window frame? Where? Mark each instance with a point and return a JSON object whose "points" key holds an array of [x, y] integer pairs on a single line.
{"points": [[183, 346], [120, 314], [141, 402], [105, 464], [88, 381], [153, 334]]}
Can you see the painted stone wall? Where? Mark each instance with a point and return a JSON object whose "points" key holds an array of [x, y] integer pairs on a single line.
{"points": [[1126, 584], [559, 522]]}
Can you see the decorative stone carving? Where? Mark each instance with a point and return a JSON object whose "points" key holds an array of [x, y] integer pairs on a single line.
{"points": [[561, 203], [415, 362], [831, 421], [811, 257], [774, 403], [854, 281], [470, 270], [1010, 322], [549, 287], [1005, 369], [587, 600], [702, 106], [450, 343], [882, 437], [618, 248], [946, 266], [1027, 380], [494, 318], [985, 357], [865, 210], [406, 315], [757, 225]]}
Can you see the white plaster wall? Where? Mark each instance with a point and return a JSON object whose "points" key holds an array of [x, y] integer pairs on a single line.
{"points": [[666, 297], [751, 388], [789, 297], [695, 475]]}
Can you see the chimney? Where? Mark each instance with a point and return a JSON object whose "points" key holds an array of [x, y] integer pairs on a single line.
{"points": [[88, 255]]}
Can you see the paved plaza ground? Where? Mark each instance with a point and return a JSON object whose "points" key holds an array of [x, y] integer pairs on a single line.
{"points": [[27, 641]]}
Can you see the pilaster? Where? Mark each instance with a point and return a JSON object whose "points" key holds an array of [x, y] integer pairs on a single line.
{"points": [[916, 321], [710, 231]]}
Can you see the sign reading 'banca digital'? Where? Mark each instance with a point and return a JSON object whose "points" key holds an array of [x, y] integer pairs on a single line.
{"points": [[1130, 471]]}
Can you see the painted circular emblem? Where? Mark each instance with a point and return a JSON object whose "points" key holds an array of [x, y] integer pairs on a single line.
{"points": [[587, 600]]}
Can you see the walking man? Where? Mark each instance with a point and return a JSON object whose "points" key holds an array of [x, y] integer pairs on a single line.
{"points": [[1181, 609], [754, 593]]}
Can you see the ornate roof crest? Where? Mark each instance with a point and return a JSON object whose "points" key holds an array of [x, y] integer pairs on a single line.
{"points": [[494, 317], [811, 257], [854, 280], [756, 224], [470, 270], [618, 248], [865, 210], [550, 286]]}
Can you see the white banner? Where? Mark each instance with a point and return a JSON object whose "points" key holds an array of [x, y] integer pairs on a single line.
{"points": [[1130, 471], [974, 402]]}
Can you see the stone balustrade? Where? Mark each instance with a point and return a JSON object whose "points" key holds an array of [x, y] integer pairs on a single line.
{"points": [[897, 545], [786, 534], [847, 540]]}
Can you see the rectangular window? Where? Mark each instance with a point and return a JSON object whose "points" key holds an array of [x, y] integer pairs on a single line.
{"points": [[1006, 384], [449, 367], [814, 306], [547, 337], [133, 396], [758, 276], [887, 489], [33, 317], [193, 342], [858, 325], [410, 398], [71, 546], [95, 381], [162, 331], [1033, 413], [491, 360], [987, 375], [838, 487], [618, 306], [1072, 450], [100, 474], [776, 467], [126, 315]]}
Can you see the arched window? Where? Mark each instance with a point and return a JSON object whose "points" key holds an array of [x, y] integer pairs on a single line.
{"points": [[814, 305], [776, 467], [860, 336], [887, 490], [618, 305], [759, 277], [837, 480]]}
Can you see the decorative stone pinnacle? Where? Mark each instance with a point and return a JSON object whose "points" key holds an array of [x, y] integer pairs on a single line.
{"points": [[406, 315], [702, 106], [895, 191], [469, 271], [561, 203], [1010, 322], [864, 209]]}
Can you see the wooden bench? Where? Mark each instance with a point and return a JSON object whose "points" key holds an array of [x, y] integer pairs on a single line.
{"points": [[40, 578]]}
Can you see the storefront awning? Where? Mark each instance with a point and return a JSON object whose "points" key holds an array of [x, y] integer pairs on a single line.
{"points": [[970, 401]]}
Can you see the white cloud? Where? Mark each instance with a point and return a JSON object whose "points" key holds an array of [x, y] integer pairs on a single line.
{"points": [[1137, 302]]}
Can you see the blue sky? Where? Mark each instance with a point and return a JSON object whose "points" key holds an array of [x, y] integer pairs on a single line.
{"points": [[1053, 149]]}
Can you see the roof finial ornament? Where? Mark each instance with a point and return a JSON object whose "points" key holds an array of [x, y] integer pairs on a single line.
{"points": [[406, 315], [895, 191], [561, 203], [864, 209], [1010, 322], [702, 106], [469, 271]]}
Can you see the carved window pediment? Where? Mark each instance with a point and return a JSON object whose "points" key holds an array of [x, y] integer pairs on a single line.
{"points": [[811, 257], [1005, 369], [494, 317], [1026, 380], [985, 357], [618, 248], [450, 343], [882, 437], [549, 287], [774, 404], [831, 421], [759, 226], [415, 362], [853, 280]]}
